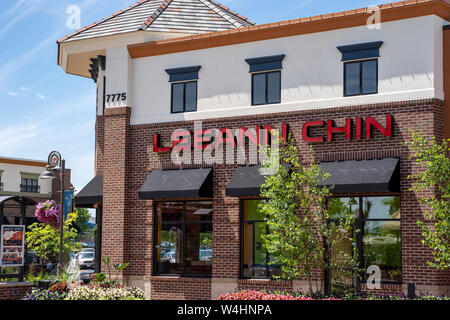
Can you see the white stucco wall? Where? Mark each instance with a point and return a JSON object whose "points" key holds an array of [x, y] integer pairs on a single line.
{"points": [[410, 67], [11, 177]]}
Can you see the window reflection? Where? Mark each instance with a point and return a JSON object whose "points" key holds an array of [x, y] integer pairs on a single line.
{"points": [[256, 260], [379, 243], [184, 238]]}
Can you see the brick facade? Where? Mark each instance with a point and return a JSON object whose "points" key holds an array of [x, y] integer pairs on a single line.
{"points": [[115, 186], [125, 155], [14, 291]]}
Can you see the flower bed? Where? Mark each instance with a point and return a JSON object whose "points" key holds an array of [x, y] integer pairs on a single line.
{"points": [[262, 295], [45, 294], [95, 292]]}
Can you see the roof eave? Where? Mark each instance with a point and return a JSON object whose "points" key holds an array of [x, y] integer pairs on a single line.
{"points": [[334, 21]]}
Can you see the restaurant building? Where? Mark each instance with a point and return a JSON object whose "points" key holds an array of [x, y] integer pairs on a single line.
{"points": [[171, 74]]}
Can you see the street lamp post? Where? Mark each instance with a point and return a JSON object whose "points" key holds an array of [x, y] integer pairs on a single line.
{"points": [[55, 160]]}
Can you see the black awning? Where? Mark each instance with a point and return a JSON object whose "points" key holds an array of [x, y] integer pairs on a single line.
{"points": [[91, 194], [364, 176], [178, 184], [247, 181]]}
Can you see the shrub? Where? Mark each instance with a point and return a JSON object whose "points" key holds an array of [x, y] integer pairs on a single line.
{"points": [[261, 295], [135, 292], [45, 294], [85, 293], [95, 292], [60, 287]]}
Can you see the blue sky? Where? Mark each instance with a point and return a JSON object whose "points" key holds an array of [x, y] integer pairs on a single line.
{"points": [[42, 109]]}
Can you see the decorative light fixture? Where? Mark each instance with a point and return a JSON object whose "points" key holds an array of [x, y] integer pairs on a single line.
{"points": [[48, 174], [54, 160]]}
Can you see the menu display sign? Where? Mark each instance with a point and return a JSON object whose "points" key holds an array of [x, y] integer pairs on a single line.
{"points": [[12, 246]]}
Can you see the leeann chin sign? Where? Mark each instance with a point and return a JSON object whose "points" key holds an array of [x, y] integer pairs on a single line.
{"points": [[204, 139]]}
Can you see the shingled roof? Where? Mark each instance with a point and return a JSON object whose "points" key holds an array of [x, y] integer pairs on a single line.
{"points": [[182, 16]]}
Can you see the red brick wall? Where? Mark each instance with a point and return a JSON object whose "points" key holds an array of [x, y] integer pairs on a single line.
{"points": [[128, 221], [272, 285], [99, 145], [56, 183], [14, 292], [386, 289], [115, 184], [170, 288]]}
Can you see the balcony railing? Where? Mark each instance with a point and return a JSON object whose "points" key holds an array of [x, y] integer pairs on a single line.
{"points": [[31, 189]]}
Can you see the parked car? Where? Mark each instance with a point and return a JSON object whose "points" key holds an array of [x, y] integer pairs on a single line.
{"points": [[86, 275], [86, 260], [88, 250], [205, 255], [169, 257], [31, 258]]}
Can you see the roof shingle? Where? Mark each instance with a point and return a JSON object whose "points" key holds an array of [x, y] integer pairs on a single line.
{"points": [[185, 16]]}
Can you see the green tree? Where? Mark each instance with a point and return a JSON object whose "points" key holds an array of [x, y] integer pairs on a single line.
{"points": [[432, 156], [301, 237], [44, 239], [82, 220]]}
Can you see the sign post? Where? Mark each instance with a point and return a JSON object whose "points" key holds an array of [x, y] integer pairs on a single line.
{"points": [[12, 246]]}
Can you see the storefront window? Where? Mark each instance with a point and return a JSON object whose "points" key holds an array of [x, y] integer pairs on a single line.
{"points": [[255, 259], [184, 238], [379, 243]]}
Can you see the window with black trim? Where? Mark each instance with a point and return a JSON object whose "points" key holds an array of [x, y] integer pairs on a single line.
{"points": [[255, 261], [266, 88], [184, 97], [360, 68], [29, 185], [266, 79], [183, 238], [378, 243], [361, 77], [184, 88]]}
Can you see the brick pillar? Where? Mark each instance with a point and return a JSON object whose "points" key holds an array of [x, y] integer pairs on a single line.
{"points": [[99, 145], [226, 235], [56, 183], [116, 126]]}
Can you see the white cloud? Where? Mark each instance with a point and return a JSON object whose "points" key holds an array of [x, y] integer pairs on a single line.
{"points": [[12, 93], [40, 96], [15, 137], [23, 88]]}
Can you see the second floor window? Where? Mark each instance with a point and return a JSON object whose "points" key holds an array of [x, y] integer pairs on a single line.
{"points": [[361, 77], [184, 89], [266, 79], [184, 97], [360, 68], [29, 185], [266, 88]]}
